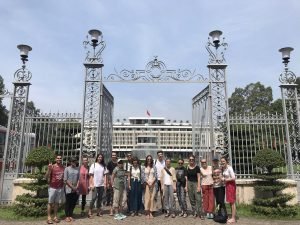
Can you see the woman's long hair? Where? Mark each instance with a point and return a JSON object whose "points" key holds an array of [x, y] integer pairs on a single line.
{"points": [[102, 162], [151, 162]]}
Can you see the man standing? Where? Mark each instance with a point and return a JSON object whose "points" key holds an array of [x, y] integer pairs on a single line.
{"points": [[160, 164], [55, 176]]}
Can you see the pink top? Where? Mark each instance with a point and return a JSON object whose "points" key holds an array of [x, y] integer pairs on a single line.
{"points": [[207, 178], [83, 180]]}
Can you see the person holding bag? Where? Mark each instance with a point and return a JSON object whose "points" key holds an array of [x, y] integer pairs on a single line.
{"points": [[168, 185]]}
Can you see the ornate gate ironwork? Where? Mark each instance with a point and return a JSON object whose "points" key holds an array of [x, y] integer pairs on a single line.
{"points": [[291, 111], [215, 100], [97, 118], [13, 164]]}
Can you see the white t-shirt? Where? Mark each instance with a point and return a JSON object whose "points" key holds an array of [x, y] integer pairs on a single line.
{"points": [[168, 180], [159, 166], [98, 171], [228, 172]]}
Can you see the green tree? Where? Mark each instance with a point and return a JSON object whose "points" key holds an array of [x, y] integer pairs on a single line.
{"points": [[276, 107], [3, 110], [272, 201], [35, 204], [254, 98], [31, 109]]}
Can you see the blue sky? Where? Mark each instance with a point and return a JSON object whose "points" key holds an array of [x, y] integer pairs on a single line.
{"points": [[134, 32]]}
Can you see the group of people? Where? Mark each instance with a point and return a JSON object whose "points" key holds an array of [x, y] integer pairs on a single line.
{"points": [[137, 186]]}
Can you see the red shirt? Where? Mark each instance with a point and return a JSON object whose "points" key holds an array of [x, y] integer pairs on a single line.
{"points": [[57, 176]]}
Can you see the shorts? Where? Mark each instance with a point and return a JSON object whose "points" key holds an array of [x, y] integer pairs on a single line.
{"points": [[55, 195], [118, 198]]}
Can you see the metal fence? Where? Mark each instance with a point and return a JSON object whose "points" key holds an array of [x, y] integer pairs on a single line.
{"points": [[59, 131], [251, 133]]}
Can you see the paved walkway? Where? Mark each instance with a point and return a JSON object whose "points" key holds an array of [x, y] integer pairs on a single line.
{"points": [[160, 219]]}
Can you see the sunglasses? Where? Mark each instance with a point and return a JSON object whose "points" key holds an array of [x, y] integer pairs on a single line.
{"points": [[180, 163], [192, 159]]}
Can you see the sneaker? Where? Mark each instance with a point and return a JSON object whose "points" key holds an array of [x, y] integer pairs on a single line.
{"points": [[185, 215], [181, 214], [122, 215], [117, 217], [211, 216], [173, 215]]}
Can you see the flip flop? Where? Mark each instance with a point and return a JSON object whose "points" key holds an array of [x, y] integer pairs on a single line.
{"points": [[49, 221]]}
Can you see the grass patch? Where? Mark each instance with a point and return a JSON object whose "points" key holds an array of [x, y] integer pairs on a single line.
{"points": [[7, 213], [245, 211]]}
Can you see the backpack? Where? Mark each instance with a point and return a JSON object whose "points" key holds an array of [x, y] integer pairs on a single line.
{"points": [[221, 215]]}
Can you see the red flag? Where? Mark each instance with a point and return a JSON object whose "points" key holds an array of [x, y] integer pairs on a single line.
{"points": [[148, 113]]}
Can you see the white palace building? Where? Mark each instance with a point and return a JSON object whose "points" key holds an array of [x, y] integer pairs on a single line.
{"points": [[147, 135]]}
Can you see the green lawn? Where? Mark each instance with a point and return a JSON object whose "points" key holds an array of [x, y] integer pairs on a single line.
{"points": [[6, 213], [245, 211]]}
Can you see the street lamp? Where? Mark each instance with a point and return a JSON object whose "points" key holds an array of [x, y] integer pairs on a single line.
{"points": [[215, 36], [95, 40], [24, 49], [95, 35], [286, 52], [287, 76]]}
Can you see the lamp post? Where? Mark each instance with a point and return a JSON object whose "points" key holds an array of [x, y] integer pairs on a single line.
{"points": [[91, 125], [12, 164], [290, 109], [218, 99]]}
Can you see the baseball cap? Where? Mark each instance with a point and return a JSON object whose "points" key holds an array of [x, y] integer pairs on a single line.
{"points": [[120, 161]]}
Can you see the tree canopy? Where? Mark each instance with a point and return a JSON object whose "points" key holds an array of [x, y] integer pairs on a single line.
{"points": [[3, 110], [254, 98]]}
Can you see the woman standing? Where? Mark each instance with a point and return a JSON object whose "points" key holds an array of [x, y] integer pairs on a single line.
{"points": [[194, 188], [181, 187], [135, 187], [97, 174], [83, 184], [207, 189], [150, 181], [230, 187], [71, 176]]}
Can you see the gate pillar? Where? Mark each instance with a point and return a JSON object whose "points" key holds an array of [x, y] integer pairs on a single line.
{"points": [[12, 160], [290, 103]]}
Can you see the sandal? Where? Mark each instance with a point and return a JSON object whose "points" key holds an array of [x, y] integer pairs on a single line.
{"points": [[56, 220], [90, 216], [99, 214], [49, 221]]}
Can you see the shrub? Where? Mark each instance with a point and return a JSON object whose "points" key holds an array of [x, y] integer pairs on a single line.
{"points": [[267, 160], [35, 204]]}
